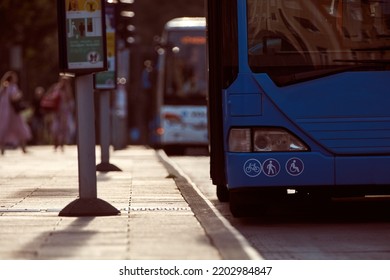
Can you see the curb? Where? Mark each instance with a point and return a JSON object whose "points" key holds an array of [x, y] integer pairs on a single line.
{"points": [[228, 241]]}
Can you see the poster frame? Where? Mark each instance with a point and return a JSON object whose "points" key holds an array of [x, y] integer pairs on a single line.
{"points": [[110, 11], [96, 47]]}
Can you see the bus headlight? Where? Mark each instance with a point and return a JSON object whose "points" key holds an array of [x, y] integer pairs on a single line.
{"points": [[243, 140], [276, 140], [240, 140]]}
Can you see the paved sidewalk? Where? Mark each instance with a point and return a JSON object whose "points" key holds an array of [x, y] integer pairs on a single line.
{"points": [[155, 221]]}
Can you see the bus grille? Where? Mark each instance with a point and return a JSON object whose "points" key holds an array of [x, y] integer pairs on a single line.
{"points": [[350, 135]]}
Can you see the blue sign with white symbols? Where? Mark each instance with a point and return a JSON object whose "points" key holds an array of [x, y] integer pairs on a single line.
{"points": [[252, 167], [295, 166], [271, 167]]}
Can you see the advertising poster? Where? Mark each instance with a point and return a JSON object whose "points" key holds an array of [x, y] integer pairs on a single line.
{"points": [[107, 79], [85, 36]]}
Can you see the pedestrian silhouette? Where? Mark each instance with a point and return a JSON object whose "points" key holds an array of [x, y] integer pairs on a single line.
{"points": [[14, 130], [63, 123]]}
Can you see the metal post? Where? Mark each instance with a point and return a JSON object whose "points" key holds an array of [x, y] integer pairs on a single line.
{"points": [[86, 138], [88, 204], [105, 125], [105, 134]]}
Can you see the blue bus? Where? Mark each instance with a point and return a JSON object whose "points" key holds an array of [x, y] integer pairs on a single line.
{"points": [[299, 99], [180, 100]]}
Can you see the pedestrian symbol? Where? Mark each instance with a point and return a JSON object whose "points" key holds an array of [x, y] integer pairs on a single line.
{"points": [[271, 167], [294, 166]]}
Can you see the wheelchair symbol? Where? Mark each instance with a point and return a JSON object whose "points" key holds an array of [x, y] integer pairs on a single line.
{"points": [[295, 166]]}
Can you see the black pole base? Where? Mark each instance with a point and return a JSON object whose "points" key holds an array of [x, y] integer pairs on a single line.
{"points": [[107, 167], [89, 207]]}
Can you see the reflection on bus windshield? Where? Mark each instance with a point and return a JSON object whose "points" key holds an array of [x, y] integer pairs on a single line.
{"points": [[186, 65], [309, 36]]}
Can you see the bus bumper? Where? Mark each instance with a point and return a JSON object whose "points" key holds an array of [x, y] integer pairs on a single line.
{"points": [[291, 170]]}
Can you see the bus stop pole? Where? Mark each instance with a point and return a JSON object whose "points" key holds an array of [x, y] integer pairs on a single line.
{"points": [[105, 133], [86, 140], [87, 204]]}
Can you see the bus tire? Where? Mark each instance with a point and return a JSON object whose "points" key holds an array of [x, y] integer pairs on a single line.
{"points": [[238, 211], [223, 193], [239, 206], [254, 202]]}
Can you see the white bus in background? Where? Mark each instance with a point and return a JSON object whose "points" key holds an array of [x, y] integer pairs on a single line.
{"points": [[180, 119]]}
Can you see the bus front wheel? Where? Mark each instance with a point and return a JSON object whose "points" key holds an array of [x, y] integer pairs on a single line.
{"points": [[241, 204], [223, 193], [253, 202]]}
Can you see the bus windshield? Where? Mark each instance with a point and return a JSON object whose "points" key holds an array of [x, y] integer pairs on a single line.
{"points": [[295, 40], [185, 67]]}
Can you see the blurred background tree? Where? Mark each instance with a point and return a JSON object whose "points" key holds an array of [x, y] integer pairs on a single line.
{"points": [[30, 28], [153, 14]]}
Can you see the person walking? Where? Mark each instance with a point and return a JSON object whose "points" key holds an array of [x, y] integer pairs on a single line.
{"points": [[13, 128], [37, 119], [146, 98], [63, 123]]}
